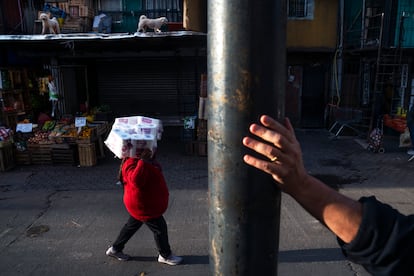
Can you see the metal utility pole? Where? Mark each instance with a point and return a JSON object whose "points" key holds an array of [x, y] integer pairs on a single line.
{"points": [[246, 78]]}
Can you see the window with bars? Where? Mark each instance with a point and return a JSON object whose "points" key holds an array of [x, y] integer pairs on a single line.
{"points": [[110, 5], [300, 9], [172, 9]]}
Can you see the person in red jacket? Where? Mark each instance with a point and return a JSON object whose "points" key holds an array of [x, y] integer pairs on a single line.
{"points": [[146, 200]]}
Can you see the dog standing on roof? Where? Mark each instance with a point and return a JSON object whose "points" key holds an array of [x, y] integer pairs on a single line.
{"points": [[48, 24], [156, 24]]}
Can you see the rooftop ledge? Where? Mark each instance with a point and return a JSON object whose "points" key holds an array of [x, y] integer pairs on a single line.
{"points": [[97, 36]]}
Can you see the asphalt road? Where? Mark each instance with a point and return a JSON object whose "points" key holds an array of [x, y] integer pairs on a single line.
{"points": [[59, 220]]}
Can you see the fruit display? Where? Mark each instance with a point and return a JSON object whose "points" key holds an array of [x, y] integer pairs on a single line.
{"points": [[64, 130], [24, 121], [49, 125], [40, 137], [86, 132]]}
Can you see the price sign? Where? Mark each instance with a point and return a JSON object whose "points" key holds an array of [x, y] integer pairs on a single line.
{"points": [[80, 121], [25, 128]]}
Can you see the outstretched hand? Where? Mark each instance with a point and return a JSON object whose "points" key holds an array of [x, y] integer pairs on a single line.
{"points": [[282, 159], [281, 151]]}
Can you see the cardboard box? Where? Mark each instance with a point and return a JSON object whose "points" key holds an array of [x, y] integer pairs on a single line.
{"points": [[130, 135]]}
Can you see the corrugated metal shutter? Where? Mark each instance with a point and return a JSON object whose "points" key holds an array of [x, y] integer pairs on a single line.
{"points": [[149, 86]]}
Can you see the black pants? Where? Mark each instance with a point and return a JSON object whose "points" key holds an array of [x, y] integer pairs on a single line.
{"points": [[158, 226]]}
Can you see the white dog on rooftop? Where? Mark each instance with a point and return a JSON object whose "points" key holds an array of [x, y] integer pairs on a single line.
{"points": [[48, 24], [154, 24]]}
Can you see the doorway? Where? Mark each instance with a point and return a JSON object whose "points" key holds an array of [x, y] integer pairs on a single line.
{"points": [[313, 96]]}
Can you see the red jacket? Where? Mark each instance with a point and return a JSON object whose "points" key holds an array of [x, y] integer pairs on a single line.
{"points": [[145, 190]]}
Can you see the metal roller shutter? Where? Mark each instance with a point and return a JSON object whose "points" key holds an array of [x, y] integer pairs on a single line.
{"points": [[149, 86]]}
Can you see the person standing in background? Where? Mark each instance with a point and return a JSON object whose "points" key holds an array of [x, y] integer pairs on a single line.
{"points": [[53, 95]]}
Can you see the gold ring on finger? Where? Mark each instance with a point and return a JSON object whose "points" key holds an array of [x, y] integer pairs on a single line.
{"points": [[273, 159]]}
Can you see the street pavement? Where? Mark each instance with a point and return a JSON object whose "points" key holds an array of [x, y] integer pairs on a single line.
{"points": [[60, 219]]}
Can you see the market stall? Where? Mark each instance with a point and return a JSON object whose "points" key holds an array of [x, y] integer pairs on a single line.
{"points": [[37, 148], [33, 130], [60, 142]]}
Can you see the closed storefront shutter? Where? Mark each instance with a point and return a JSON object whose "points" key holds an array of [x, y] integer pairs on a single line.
{"points": [[166, 86]]}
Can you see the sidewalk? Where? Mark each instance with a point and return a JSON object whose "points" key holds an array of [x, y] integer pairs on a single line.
{"points": [[307, 248], [59, 220]]}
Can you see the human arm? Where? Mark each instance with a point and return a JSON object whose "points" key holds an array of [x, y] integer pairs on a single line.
{"points": [[339, 213], [384, 244], [133, 169]]}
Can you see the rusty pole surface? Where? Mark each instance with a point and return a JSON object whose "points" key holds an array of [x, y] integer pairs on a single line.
{"points": [[246, 78]]}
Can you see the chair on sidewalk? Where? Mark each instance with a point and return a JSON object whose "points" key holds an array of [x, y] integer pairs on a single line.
{"points": [[345, 118]]}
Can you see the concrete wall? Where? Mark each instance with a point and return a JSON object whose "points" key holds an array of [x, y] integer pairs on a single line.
{"points": [[319, 32]]}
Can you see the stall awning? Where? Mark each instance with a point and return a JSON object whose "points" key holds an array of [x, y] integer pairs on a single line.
{"points": [[97, 44]]}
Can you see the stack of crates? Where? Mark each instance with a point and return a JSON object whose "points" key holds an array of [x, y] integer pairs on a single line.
{"points": [[22, 157], [40, 154], [201, 142], [6, 156], [64, 154], [80, 16], [199, 145]]}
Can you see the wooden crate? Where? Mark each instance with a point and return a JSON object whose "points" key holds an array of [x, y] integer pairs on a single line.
{"points": [[80, 2], [64, 154], [63, 139], [86, 140], [98, 141], [87, 154], [77, 25], [196, 148], [202, 130], [6, 156], [22, 157], [40, 153], [201, 148], [102, 128]]}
